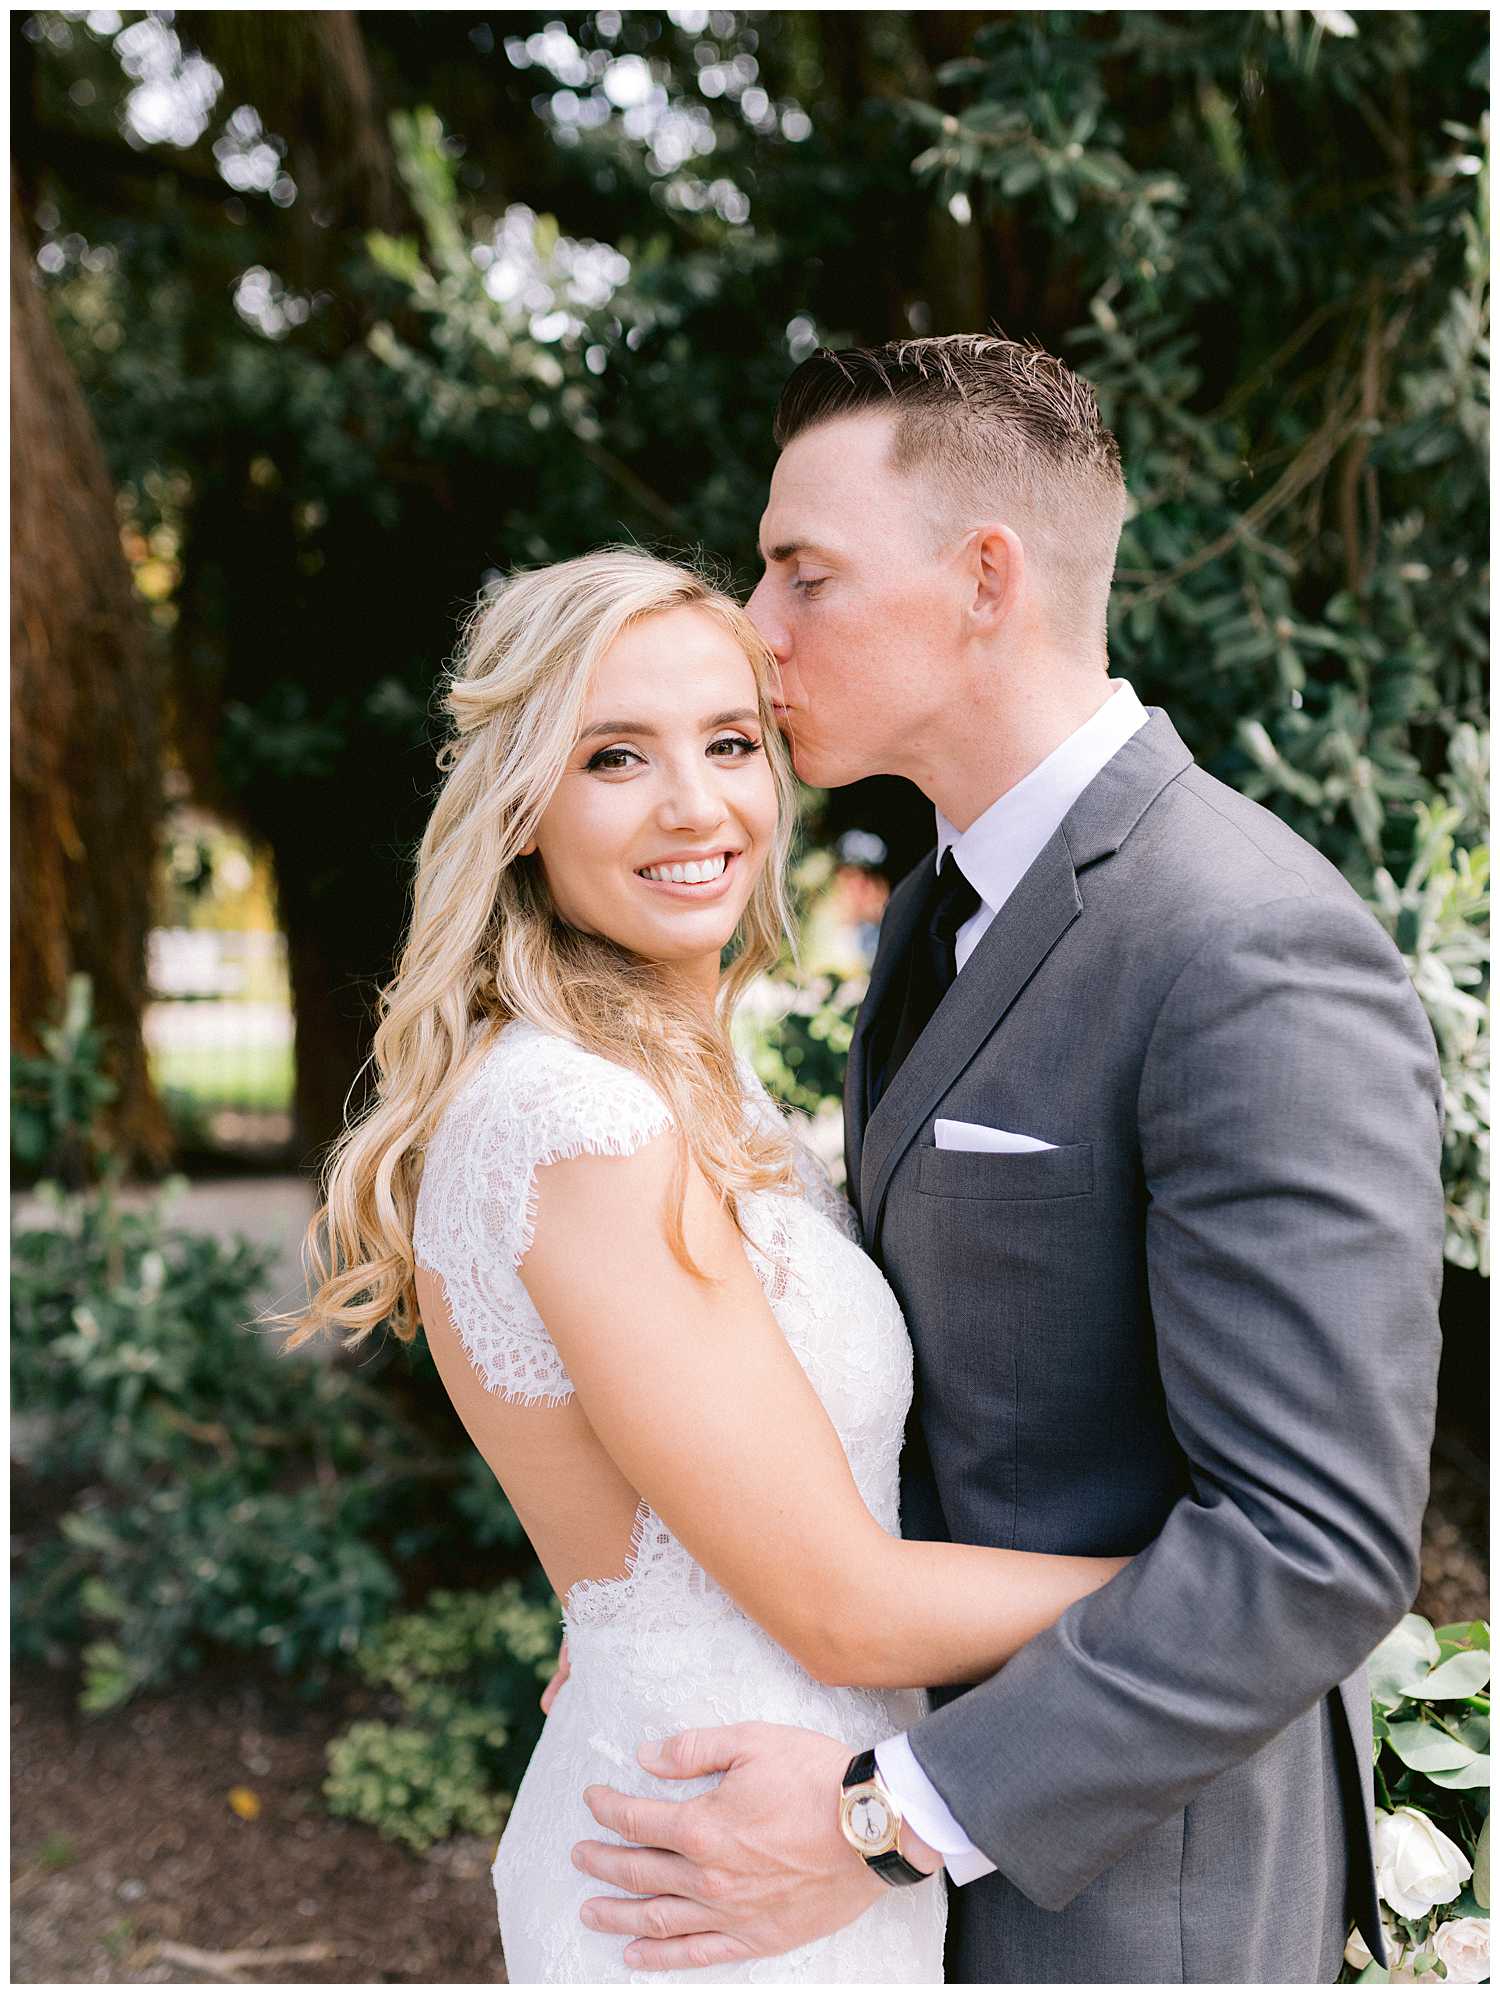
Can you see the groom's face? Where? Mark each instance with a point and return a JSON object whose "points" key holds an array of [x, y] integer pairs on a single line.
{"points": [[863, 614]]}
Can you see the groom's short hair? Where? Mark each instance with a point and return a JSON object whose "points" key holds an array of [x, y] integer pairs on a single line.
{"points": [[992, 426]]}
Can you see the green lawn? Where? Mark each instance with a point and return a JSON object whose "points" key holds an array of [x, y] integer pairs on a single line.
{"points": [[252, 1077]]}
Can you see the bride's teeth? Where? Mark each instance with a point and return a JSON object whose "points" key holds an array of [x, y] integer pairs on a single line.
{"points": [[687, 875]]}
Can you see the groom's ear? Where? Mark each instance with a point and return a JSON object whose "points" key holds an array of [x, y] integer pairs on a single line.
{"points": [[997, 570]]}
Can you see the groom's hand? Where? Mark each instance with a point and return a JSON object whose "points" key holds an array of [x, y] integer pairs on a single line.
{"points": [[748, 1870]]}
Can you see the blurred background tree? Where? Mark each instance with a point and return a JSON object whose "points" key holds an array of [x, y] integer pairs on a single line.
{"points": [[370, 307]]}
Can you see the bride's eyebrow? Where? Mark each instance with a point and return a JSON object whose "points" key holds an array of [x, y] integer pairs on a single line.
{"points": [[649, 733]]}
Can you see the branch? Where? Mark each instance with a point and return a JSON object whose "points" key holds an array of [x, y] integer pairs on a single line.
{"points": [[227, 1965], [639, 490], [100, 167], [1356, 565], [1312, 460]]}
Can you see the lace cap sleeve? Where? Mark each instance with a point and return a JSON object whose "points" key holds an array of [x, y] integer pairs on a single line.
{"points": [[535, 1098]]}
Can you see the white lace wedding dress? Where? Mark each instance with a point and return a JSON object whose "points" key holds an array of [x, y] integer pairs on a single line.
{"points": [[664, 1648]]}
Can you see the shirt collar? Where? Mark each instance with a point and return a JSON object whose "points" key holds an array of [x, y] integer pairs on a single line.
{"points": [[1001, 843]]}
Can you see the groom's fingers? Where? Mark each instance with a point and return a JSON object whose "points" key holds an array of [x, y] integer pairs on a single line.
{"points": [[646, 1917], [700, 1949], [643, 1872], [653, 1824], [690, 1754]]}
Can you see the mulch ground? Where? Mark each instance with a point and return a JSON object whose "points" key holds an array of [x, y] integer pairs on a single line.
{"points": [[1456, 1539], [128, 1861], [130, 1864]]}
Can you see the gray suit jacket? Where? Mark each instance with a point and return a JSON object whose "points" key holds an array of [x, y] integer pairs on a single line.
{"points": [[1203, 1330]]}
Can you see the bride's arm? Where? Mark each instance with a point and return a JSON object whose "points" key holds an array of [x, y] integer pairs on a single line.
{"points": [[695, 1394]]}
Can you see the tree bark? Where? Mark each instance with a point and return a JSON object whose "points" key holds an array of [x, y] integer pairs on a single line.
{"points": [[308, 73], [86, 724]]}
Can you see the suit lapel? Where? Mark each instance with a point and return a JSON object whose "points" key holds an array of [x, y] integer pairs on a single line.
{"points": [[1041, 909], [1021, 936]]}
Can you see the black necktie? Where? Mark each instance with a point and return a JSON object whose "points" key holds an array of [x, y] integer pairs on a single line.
{"points": [[931, 964]]}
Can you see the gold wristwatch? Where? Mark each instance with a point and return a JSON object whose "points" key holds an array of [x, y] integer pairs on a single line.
{"points": [[871, 1822]]}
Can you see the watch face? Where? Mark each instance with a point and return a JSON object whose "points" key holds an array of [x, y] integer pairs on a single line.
{"points": [[869, 1820]]}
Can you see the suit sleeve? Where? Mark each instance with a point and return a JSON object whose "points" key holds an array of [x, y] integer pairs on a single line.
{"points": [[926, 1810], [1289, 1120]]}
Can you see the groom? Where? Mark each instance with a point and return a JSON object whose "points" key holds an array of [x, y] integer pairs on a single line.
{"points": [[1143, 1127]]}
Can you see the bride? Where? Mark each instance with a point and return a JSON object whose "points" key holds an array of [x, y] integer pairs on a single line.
{"points": [[641, 1290]]}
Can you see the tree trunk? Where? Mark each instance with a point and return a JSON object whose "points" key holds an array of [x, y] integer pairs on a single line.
{"points": [[308, 74], [86, 724]]}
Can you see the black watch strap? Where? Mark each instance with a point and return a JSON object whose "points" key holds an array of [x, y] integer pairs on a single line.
{"points": [[892, 1867], [860, 1768]]}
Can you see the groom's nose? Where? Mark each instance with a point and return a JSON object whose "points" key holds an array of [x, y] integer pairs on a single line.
{"points": [[771, 626]]}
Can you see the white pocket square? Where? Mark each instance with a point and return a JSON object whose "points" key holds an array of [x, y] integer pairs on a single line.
{"points": [[975, 1136]]}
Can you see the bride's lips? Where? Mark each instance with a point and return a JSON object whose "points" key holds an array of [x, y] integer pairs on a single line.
{"points": [[706, 889]]}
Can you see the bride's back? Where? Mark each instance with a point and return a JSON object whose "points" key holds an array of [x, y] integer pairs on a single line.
{"points": [[796, 1289], [533, 1099], [572, 1501]]}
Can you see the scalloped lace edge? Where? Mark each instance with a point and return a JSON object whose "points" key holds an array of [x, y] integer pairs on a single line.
{"points": [[624, 1142], [582, 1589], [527, 1400]]}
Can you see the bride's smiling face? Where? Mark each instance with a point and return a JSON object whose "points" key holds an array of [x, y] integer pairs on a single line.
{"points": [[668, 771]]}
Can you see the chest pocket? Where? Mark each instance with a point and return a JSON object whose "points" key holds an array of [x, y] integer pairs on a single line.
{"points": [[1064, 1172]]}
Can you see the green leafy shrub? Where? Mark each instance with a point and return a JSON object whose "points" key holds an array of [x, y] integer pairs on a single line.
{"points": [[182, 1485], [171, 1434], [55, 1099], [1439, 917], [207, 1564], [800, 1045], [1432, 1781], [467, 1671]]}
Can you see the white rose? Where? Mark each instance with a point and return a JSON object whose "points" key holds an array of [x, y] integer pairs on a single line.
{"points": [[1357, 1954], [1416, 1865], [1463, 1945]]}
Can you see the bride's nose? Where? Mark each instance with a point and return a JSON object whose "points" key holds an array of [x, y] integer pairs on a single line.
{"points": [[691, 799]]}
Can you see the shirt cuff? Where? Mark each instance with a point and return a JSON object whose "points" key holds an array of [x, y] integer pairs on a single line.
{"points": [[928, 1812]]}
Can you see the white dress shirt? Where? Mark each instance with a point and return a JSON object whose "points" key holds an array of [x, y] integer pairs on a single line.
{"points": [[996, 851]]}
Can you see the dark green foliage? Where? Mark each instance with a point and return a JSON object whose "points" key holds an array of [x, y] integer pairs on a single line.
{"points": [[467, 1670], [203, 1491], [54, 1100], [183, 1490], [183, 1485]]}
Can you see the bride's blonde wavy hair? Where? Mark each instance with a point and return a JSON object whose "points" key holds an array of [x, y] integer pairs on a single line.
{"points": [[485, 944]]}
